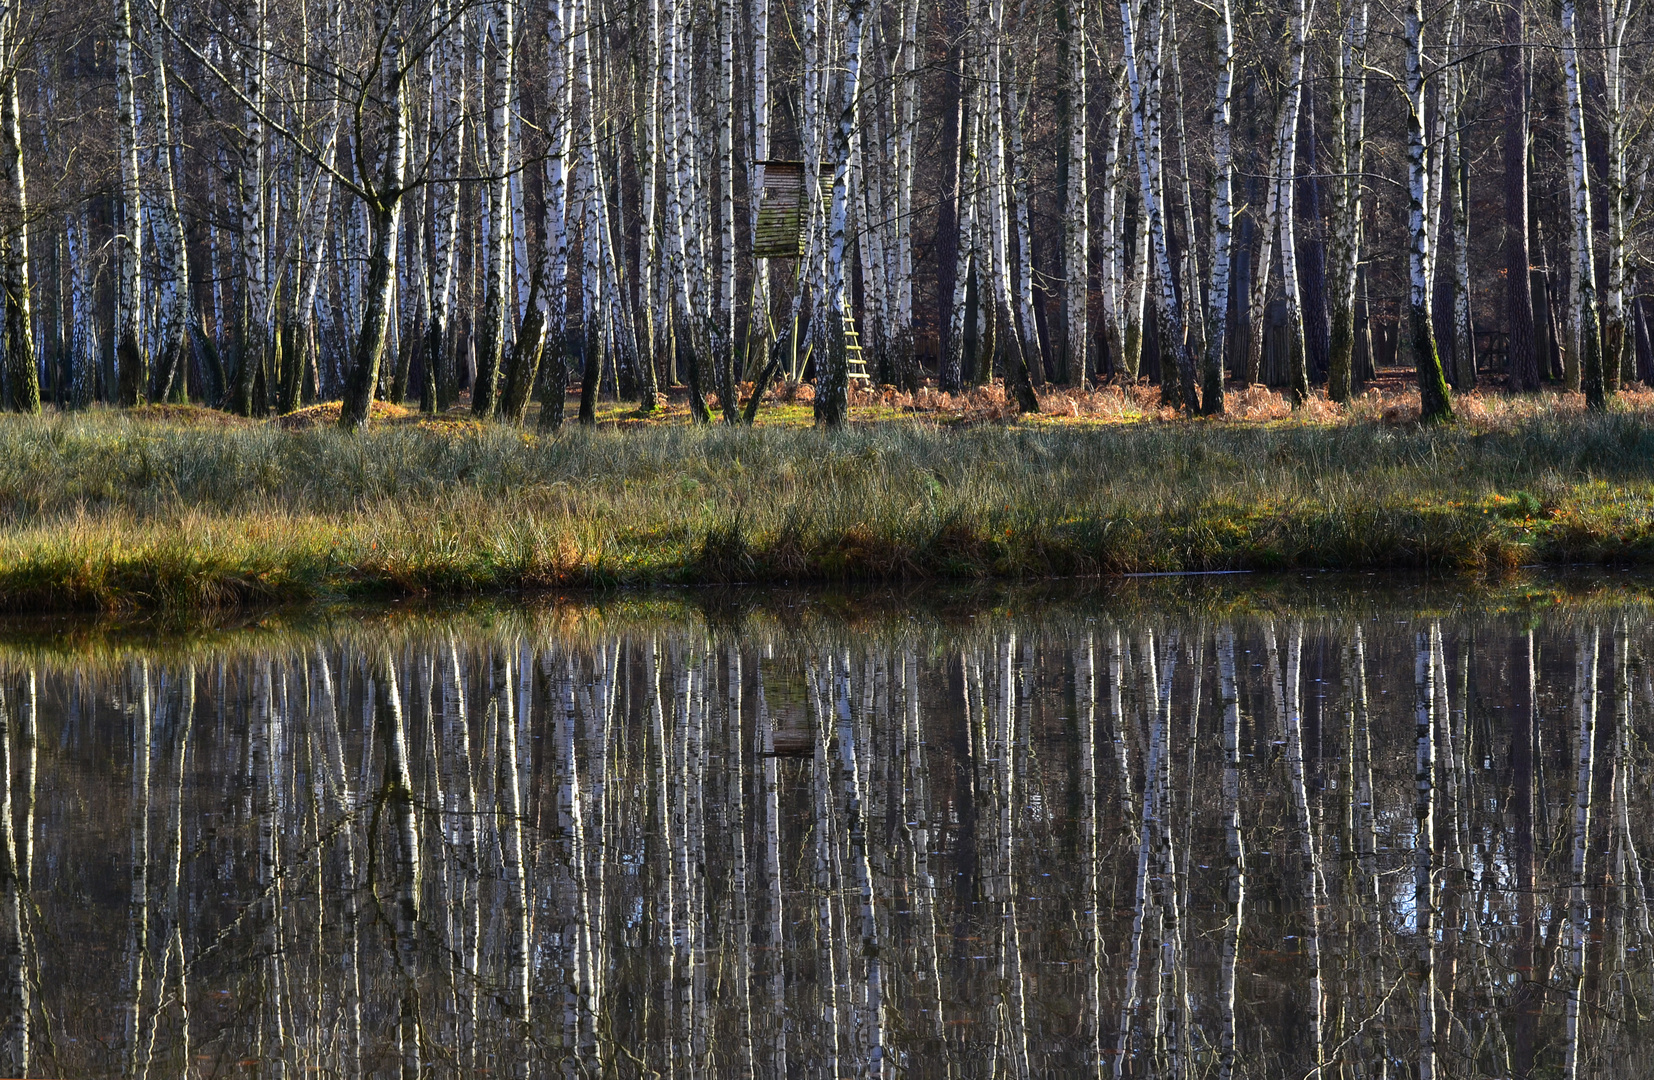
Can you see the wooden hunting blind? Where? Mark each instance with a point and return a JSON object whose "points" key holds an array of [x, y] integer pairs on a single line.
{"points": [[781, 215], [780, 235]]}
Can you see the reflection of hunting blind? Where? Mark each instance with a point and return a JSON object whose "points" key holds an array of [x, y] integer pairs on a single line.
{"points": [[781, 234]]}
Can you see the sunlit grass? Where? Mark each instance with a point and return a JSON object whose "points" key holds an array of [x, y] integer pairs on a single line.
{"points": [[103, 509]]}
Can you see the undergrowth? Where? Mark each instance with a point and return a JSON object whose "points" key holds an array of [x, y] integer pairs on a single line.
{"points": [[104, 509]]}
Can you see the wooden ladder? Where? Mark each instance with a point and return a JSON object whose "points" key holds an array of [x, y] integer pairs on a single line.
{"points": [[854, 364]]}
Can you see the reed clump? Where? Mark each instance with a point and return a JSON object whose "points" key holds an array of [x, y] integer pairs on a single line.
{"points": [[105, 510]]}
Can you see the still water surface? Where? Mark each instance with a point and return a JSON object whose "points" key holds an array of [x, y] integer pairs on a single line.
{"points": [[1186, 831]]}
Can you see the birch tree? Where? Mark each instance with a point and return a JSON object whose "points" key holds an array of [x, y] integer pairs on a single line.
{"points": [[1435, 401], [832, 401], [1349, 89], [1223, 174], [496, 241], [1583, 282], [21, 366], [1146, 139], [1287, 179], [132, 361]]}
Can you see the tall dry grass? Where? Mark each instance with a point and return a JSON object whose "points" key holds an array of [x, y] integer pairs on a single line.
{"points": [[107, 509]]}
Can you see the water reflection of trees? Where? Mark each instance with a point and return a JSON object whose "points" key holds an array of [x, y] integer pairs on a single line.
{"points": [[1338, 848]]}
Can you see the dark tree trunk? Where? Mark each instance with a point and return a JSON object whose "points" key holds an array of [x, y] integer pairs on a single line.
{"points": [[1312, 248], [1645, 348], [946, 247], [370, 345], [1522, 357]]}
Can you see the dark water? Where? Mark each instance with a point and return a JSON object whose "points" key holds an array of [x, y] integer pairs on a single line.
{"points": [[1178, 831]]}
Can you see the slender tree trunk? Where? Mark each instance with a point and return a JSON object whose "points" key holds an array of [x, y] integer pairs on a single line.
{"points": [[1235, 845], [832, 403], [1434, 400], [951, 376], [1350, 116], [496, 241], [22, 373], [132, 360], [1583, 280], [1424, 843], [385, 210], [1522, 356], [1619, 358], [1287, 179], [1579, 909], [1146, 134], [1223, 224], [448, 117]]}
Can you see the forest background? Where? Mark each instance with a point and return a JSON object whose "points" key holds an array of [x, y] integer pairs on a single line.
{"points": [[955, 210], [257, 205]]}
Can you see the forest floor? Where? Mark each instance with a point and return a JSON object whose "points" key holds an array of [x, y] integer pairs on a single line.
{"points": [[184, 508]]}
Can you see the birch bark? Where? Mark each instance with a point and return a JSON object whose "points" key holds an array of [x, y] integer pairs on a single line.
{"points": [[1618, 354], [1223, 213], [22, 371], [1583, 281], [1287, 179], [832, 403], [384, 206], [1349, 90], [1434, 400], [132, 361], [1145, 135], [496, 240]]}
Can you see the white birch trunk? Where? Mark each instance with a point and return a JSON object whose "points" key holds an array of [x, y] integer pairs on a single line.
{"points": [[1223, 218], [497, 252], [21, 363], [1435, 403], [1424, 842], [131, 360], [832, 403], [1349, 159], [1579, 910], [1618, 351], [1584, 276], [1071, 365], [1287, 180], [1146, 139]]}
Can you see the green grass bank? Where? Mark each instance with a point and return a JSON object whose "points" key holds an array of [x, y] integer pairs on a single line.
{"points": [[110, 510]]}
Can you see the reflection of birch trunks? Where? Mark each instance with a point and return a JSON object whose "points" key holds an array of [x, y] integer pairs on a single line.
{"points": [[137, 926], [1628, 862], [870, 1016], [1424, 809], [508, 812], [1119, 659], [14, 983], [1007, 752], [1579, 911], [1362, 876], [1129, 997], [172, 983], [1288, 706], [1085, 705], [574, 934], [827, 1030], [1168, 1016], [398, 795], [775, 917], [665, 910], [1234, 844], [735, 828]]}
